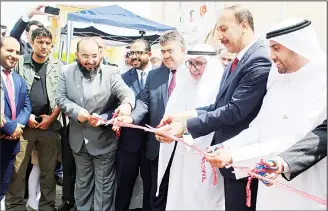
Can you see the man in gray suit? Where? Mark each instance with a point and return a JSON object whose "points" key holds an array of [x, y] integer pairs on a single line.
{"points": [[302, 155], [86, 88]]}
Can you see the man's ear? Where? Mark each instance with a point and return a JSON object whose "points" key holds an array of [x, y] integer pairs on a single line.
{"points": [[149, 53], [244, 25], [76, 54]]}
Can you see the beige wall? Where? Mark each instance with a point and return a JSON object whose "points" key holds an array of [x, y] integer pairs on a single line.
{"points": [[265, 14], [314, 11]]}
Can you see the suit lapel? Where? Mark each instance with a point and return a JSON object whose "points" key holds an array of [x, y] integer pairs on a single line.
{"points": [[50, 66], [164, 87], [231, 75], [16, 87], [79, 87], [5, 92], [225, 75], [135, 81]]}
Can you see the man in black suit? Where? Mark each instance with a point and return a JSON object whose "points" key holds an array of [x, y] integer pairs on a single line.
{"points": [[302, 155], [241, 92], [130, 155], [23, 24], [158, 88]]}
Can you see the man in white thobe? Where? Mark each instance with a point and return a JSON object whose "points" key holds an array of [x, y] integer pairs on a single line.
{"points": [[294, 105], [197, 85]]}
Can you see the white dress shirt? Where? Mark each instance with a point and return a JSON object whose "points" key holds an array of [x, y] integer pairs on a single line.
{"points": [[146, 71], [244, 50], [171, 75]]}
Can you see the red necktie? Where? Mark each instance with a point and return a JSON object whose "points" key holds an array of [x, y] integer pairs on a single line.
{"points": [[11, 94], [234, 64], [172, 83]]}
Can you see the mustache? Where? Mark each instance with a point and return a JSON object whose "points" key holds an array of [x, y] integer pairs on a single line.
{"points": [[195, 72], [88, 73], [135, 59]]}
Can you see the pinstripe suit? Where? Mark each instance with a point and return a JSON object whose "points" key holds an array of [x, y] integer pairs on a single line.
{"points": [[307, 152]]}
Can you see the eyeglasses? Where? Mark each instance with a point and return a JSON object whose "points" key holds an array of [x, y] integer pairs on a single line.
{"points": [[197, 65], [137, 53], [88, 56]]}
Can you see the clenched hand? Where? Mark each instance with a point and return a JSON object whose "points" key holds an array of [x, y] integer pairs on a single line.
{"points": [[83, 115]]}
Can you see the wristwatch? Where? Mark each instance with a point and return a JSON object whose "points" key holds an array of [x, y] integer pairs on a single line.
{"points": [[185, 129]]}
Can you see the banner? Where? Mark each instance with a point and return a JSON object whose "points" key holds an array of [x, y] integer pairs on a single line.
{"points": [[197, 22]]}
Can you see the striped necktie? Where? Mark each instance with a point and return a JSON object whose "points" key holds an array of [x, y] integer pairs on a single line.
{"points": [[142, 80], [172, 83]]}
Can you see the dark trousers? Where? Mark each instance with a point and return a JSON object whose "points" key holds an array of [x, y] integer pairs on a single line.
{"points": [[235, 194], [127, 170], [7, 165], [69, 169], [159, 203]]}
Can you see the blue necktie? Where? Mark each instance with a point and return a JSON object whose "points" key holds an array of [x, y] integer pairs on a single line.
{"points": [[142, 80]]}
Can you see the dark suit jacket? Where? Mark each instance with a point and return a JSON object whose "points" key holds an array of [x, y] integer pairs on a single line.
{"points": [[130, 139], [307, 152], [23, 111], [17, 32], [238, 101], [153, 99]]}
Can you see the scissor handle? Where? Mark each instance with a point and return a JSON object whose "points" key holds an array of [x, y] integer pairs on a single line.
{"points": [[214, 148]]}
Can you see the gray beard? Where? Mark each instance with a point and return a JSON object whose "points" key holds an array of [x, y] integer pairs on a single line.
{"points": [[89, 74]]}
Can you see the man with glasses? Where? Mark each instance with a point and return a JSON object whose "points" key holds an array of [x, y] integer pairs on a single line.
{"points": [[88, 89], [159, 86], [130, 155], [197, 87]]}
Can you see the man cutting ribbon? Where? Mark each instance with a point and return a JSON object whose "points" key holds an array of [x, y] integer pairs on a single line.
{"points": [[294, 105]]}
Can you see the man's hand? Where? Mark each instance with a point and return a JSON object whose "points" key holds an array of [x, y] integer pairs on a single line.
{"points": [[219, 158], [95, 120], [124, 110], [168, 119], [175, 128], [32, 123], [275, 168], [46, 122], [83, 115], [124, 119], [3, 120], [36, 11], [17, 133]]}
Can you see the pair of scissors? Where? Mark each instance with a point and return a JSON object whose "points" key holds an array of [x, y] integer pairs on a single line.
{"points": [[262, 167]]}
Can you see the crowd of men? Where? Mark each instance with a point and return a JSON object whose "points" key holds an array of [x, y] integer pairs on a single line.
{"points": [[259, 98]]}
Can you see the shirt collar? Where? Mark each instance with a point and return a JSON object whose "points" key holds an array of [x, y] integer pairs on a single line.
{"points": [[28, 59], [146, 70], [244, 50], [2, 70], [178, 69]]}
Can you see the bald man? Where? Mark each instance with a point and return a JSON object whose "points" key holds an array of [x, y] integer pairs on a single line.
{"points": [[102, 46], [94, 89], [226, 57], [16, 109]]}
